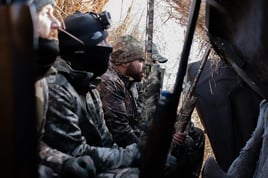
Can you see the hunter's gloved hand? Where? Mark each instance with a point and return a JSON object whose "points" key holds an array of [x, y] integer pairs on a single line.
{"points": [[78, 167]]}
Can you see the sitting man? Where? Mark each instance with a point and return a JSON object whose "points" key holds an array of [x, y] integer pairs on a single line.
{"points": [[119, 92], [124, 94]]}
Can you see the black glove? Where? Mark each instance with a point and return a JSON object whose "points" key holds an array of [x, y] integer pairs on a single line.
{"points": [[80, 167]]}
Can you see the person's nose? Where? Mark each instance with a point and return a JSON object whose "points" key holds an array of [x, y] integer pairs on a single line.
{"points": [[55, 23]]}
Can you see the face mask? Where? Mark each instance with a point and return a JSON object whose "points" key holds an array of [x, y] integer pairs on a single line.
{"points": [[45, 56], [94, 59]]}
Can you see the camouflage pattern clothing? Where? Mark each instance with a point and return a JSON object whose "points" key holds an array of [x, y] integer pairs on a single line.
{"points": [[41, 96], [119, 94], [51, 160], [127, 49], [190, 153], [149, 94], [75, 123]]}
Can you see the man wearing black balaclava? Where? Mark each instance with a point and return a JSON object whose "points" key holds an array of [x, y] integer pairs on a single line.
{"points": [[91, 51]]}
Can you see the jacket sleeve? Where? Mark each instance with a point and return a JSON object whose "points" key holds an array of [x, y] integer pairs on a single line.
{"points": [[62, 132], [111, 158], [52, 157], [116, 114]]}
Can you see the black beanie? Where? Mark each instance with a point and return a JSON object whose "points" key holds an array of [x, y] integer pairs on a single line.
{"points": [[84, 26], [40, 3]]}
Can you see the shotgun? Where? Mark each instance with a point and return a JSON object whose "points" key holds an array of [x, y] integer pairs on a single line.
{"points": [[157, 147]]}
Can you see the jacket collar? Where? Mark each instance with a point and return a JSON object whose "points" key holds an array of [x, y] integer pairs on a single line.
{"points": [[81, 80]]}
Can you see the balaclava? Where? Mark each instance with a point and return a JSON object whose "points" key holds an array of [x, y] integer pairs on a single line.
{"points": [[83, 53], [46, 54], [46, 50]]}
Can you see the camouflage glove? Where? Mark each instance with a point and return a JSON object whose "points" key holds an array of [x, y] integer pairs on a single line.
{"points": [[80, 167]]}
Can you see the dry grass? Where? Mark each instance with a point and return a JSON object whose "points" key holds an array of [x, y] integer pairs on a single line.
{"points": [[183, 7], [66, 8], [128, 25], [123, 26]]}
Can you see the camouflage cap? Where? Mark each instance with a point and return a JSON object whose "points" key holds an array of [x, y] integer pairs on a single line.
{"points": [[156, 56], [127, 49]]}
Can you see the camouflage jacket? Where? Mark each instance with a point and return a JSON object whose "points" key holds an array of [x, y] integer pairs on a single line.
{"points": [[47, 155], [118, 95], [74, 120]]}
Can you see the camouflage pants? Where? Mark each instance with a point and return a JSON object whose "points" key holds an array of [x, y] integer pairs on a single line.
{"points": [[190, 154]]}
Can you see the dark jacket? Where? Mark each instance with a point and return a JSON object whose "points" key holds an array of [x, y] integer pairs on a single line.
{"points": [[227, 107], [119, 95], [47, 155], [75, 123]]}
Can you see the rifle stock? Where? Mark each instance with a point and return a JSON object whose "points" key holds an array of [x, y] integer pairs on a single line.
{"points": [[159, 140], [190, 100]]}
